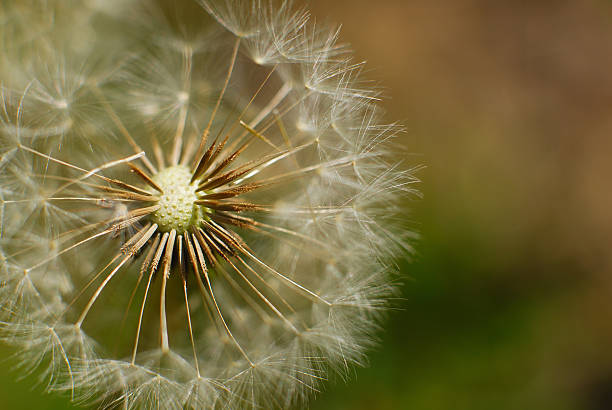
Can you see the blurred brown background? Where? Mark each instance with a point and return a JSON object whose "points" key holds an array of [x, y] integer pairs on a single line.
{"points": [[509, 104], [509, 305]]}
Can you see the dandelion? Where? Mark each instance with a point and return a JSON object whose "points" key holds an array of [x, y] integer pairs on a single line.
{"points": [[197, 206]]}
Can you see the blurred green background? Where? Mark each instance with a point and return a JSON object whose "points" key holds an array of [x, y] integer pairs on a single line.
{"points": [[508, 304]]}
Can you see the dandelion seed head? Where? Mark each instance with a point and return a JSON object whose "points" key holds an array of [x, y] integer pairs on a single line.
{"points": [[198, 208]]}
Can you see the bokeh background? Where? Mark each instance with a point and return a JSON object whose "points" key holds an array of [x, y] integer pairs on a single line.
{"points": [[508, 303]]}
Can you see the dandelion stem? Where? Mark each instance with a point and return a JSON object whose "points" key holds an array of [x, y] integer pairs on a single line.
{"points": [[146, 178], [111, 112], [167, 263], [212, 294], [214, 112], [93, 299]]}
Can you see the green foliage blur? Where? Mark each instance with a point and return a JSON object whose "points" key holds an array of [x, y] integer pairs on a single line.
{"points": [[507, 304]]}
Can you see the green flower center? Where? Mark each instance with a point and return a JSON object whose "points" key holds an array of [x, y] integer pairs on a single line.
{"points": [[177, 209]]}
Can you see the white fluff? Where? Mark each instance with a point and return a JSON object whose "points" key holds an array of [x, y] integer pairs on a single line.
{"points": [[97, 88]]}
